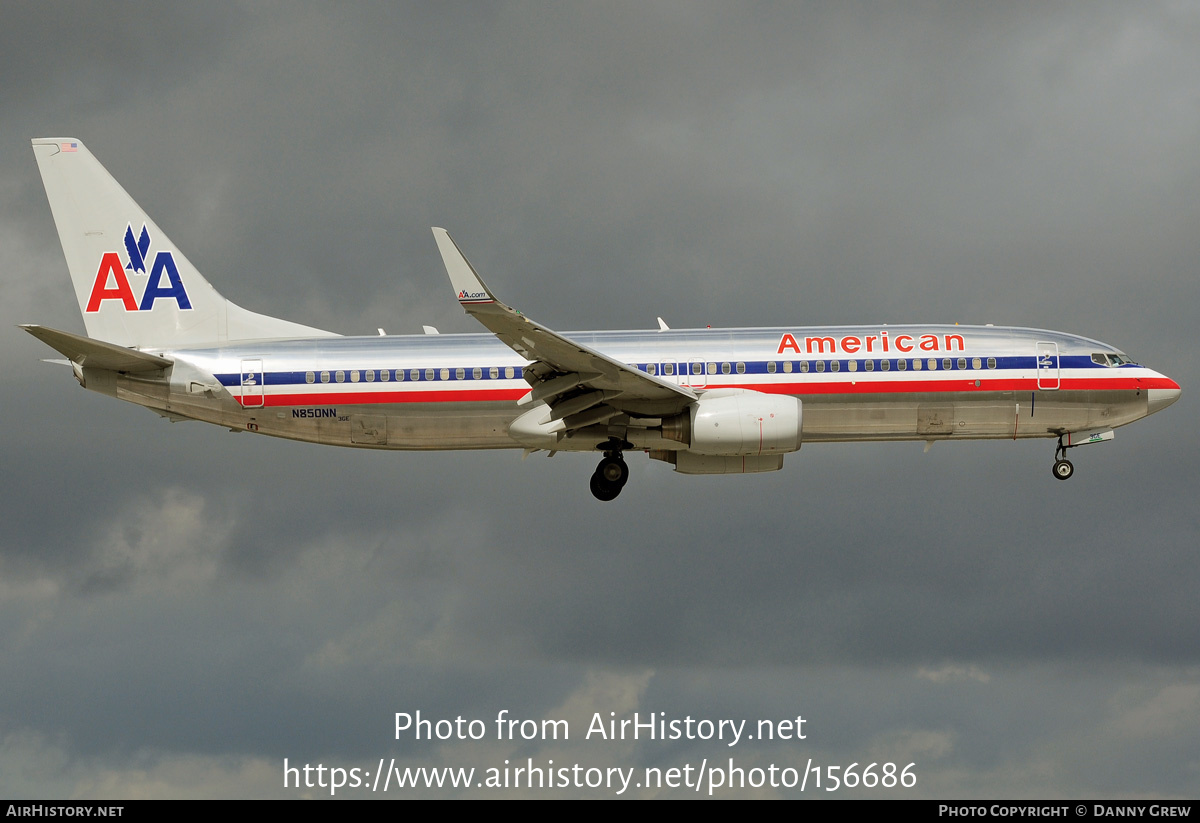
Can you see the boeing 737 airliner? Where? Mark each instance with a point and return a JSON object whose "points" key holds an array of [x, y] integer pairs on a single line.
{"points": [[707, 401]]}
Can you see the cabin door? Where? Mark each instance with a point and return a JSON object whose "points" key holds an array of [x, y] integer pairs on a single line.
{"points": [[692, 374], [252, 384], [1047, 365]]}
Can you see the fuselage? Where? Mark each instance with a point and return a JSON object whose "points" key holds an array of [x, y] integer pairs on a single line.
{"points": [[707, 401], [855, 383]]}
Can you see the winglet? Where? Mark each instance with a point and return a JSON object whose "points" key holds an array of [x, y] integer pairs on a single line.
{"points": [[556, 357], [468, 286]]}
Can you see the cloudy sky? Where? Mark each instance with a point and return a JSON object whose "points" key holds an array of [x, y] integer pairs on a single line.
{"points": [[181, 609]]}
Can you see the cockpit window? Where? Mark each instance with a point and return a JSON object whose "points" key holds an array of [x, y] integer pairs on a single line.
{"points": [[1104, 359]]}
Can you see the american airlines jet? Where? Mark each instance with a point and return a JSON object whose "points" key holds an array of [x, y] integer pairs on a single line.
{"points": [[707, 401]]}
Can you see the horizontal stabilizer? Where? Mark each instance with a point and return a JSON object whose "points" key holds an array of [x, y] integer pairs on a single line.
{"points": [[96, 353]]}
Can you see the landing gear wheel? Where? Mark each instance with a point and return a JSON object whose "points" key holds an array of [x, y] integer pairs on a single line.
{"points": [[1063, 469], [602, 489], [614, 471]]}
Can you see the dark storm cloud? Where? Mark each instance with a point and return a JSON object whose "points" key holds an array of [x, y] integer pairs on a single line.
{"points": [[100, 55], [181, 608]]}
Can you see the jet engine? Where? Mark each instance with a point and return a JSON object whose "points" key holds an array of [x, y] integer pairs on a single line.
{"points": [[730, 431], [731, 422]]}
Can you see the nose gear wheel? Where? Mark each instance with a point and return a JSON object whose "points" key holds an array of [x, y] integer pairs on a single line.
{"points": [[1063, 468]]}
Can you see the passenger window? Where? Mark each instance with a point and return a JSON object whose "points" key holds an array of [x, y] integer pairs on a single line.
{"points": [[339, 376], [870, 365], [947, 364], [651, 368], [460, 374], [976, 363], [835, 365], [991, 362], [771, 367], [370, 375], [712, 368], [885, 365], [901, 365], [309, 377], [820, 365], [741, 368], [853, 365], [476, 373], [445, 374], [494, 372], [354, 376], [787, 366], [429, 373], [324, 377], [508, 372], [726, 368], [697, 368], [804, 367], [962, 363], [668, 368]]}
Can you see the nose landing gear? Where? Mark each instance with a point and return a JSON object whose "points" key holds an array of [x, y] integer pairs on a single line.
{"points": [[1063, 468], [612, 473]]}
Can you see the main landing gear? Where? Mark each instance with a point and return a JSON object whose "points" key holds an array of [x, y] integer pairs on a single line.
{"points": [[612, 473], [1063, 468]]}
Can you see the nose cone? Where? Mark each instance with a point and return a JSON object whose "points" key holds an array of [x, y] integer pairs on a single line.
{"points": [[1164, 394]]}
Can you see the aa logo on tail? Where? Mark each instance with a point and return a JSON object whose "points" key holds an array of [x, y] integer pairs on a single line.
{"points": [[137, 250]]}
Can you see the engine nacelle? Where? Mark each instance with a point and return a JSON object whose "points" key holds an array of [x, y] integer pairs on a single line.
{"points": [[736, 423], [686, 462]]}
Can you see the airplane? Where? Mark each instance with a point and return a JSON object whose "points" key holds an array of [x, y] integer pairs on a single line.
{"points": [[706, 401]]}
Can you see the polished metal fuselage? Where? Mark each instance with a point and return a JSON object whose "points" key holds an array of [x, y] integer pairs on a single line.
{"points": [[460, 391]]}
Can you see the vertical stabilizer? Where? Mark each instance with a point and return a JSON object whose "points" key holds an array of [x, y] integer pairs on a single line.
{"points": [[134, 287]]}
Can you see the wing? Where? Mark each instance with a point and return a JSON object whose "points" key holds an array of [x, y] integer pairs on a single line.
{"points": [[581, 386]]}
